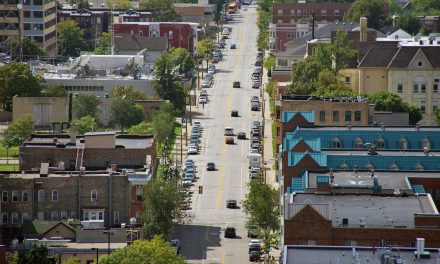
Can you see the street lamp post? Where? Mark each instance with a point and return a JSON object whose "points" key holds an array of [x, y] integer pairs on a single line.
{"points": [[97, 254]]}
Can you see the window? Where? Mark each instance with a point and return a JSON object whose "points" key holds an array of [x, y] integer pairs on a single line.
{"points": [[24, 196], [14, 218], [292, 12], [4, 218], [41, 195], [139, 193], [280, 12], [14, 196], [54, 196], [419, 83], [336, 12], [400, 88], [347, 79], [380, 143], [298, 12], [93, 215], [347, 115], [419, 64], [436, 85], [94, 195], [63, 215], [5, 196], [351, 243], [336, 116], [416, 88], [358, 143], [41, 216], [403, 143], [423, 109], [357, 115], [322, 116], [38, 13], [24, 216], [54, 216], [423, 87], [336, 143], [98, 20], [116, 217], [323, 12]]}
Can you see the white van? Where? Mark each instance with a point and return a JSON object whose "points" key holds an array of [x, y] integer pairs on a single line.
{"points": [[229, 131]]}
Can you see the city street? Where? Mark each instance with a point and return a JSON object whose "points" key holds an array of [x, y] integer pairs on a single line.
{"points": [[202, 240]]}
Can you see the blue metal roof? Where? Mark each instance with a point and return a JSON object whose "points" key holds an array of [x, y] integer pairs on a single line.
{"points": [[380, 162], [393, 139], [286, 116], [294, 157], [314, 143], [418, 188]]}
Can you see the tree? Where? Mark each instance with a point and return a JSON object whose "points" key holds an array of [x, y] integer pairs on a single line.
{"points": [[426, 7], [120, 4], [437, 117], [104, 44], [156, 251], [128, 92], [162, 10], [373, 10], [167, 84], [261, 206], [54, 91], [143, 128], [124, 112], [340, 51], [269, 63], [30, 48], [385, 101], [205, 48], [410, 23], [164, 124], [18, 132], [17, 79], [305, 77], [85, 105], [38, 254], [71, 38], [163, 206], [85, 124], [183, 59], [331, 85]]}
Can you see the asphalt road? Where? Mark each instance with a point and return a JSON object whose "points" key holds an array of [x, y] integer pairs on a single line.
{"points": [[202, 241]]}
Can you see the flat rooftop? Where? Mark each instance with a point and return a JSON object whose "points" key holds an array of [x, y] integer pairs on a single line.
{"points": [[326, 99], [364, 152], [68, 76], [373, 128], [372, 211], [387, 179], [296, 254]]}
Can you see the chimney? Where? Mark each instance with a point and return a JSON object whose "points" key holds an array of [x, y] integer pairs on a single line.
{"points": [[363, 30], [73, 133]]}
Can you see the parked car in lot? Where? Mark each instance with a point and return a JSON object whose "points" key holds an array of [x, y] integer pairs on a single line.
{"points": [[241, 135], [236, 84], [230, 232], [231, 204]]}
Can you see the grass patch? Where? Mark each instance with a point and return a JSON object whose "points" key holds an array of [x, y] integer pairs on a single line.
{"points": [[172, 141], [9, 167], [13, 152]]}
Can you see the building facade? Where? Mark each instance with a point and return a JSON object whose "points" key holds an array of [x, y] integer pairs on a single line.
{"points": [[292, 12]]}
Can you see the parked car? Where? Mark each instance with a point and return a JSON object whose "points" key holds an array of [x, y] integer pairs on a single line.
{"points": [[230, 232], [231, 204], [210, 166], [254, 247], [215, 60], [192, 150], [255, 124], [212, 68], [258, 63], [241, 135], [206, 83], [229, 140], [204, 92], [255, 106], [233, 46], [234, 113], [255, 83], [254, 256], [236, 84], [255, 99], [202, 100]]}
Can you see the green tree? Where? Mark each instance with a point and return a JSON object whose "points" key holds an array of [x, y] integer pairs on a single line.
{"points": [[305, 77], [85, 105], [331, 85], [72, 261], [162, 10], [167, 84], [261, 206], [385, 101], [143, 128], [373, 10], [120, 4], [205, 48], [18, 132], [30, 48], [71, 38], [437, 117], [38, 254], [183, 59], [410, 23], [128, 92], [340, 51], [17, 79], [55, 91], [156, 251], [269, 63], [163, 206], [164, 124], [86, 124], [426, 7], [124, 113], [104, 44]]}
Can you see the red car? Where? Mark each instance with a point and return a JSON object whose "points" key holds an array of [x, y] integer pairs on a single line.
{"points": [[214, 60]]}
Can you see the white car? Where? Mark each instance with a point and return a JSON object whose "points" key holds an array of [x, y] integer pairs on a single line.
{"points": [[192, 150], [186, 181], [255, 84], [211, 69], [202, 100], [254, 242]]}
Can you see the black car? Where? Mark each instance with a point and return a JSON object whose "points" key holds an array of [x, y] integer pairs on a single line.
{"points": [[254, 256], [230, 232], [234, 113], [210, 166], [236, 84], [254, 248], [231, 204], [241, 135], [255, 106]]}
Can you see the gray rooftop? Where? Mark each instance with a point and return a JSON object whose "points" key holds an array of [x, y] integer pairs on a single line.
{"points": [[364, 152], [372, 128], [295, 254], [372, 211]]}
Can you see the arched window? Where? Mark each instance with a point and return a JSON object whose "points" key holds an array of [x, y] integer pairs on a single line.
{"points": [[358, 143], [419, 166], [336, 143], [419, 84], [403, 143], [369, 166], [394, 166], [426, 143], [344, 166], [380, 143]]}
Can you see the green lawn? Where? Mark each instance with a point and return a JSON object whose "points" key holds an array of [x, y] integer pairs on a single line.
{"points": [[13, 152], [172, 142], [8, 167]]}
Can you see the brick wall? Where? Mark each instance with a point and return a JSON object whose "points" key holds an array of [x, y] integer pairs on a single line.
{"points": [[307, 163]]}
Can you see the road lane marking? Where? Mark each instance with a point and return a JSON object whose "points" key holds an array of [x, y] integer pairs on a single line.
{"points": [[220, 186]]}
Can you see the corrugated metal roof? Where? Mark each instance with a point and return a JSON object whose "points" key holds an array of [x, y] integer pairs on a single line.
{"points": [[286, 116], [289, 143], [294, 158]]}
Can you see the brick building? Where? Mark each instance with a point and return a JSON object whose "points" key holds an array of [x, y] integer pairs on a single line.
{"points": [[178, 34], [92, 151], [292, 12]]}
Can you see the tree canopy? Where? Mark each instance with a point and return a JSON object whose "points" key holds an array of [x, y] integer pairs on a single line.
{"points": [[104, 44], [128, 92], [18, 132], [30, 48], [54, 91], [86, 105], [184, 60], [124, 113], [162, 10], [143, 128], [17, 79], [205, 48], [38, 254], [86, 124], [373, 10], [410, 23], [157, 251], [164, 124], [71, 38]]}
